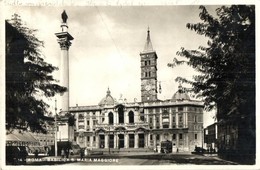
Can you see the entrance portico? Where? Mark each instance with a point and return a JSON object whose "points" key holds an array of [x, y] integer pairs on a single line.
{"points": [[121, 138]]}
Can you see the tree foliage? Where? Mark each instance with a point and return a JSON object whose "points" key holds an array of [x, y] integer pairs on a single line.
{"points": [[226, 66], [28, 78]]}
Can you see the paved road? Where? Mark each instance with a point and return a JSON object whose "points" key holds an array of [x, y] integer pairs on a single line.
{"points": [[152, 159]]}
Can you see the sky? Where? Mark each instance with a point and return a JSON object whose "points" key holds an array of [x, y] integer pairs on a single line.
{"points": [[107, 43]]}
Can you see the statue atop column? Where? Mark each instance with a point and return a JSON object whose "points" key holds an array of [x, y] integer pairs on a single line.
{"points": [[64, 17]]}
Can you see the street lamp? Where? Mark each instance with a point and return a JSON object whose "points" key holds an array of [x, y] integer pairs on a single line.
{"points": [[55, 138]]}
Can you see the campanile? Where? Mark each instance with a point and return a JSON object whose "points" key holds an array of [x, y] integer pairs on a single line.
{"points": [[148, 71]]}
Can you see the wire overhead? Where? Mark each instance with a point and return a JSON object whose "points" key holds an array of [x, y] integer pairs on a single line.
{"points": [[109, 33]]}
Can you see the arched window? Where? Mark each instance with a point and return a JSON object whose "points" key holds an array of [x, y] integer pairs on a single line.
{"points": [[81, 116], [131, 117], [121, 114], [110, 118]]}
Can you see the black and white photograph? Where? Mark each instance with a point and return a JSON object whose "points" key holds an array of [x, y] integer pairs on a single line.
{"points": [[145, 86]]}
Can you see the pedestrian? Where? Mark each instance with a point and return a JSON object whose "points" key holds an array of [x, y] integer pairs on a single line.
{"points": [[36, 153], [62, 153], [67, 153], [81, 154], [85, 151]]}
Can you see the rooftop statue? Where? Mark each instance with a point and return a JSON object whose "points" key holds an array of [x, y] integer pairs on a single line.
{"points": [[64, 17]]}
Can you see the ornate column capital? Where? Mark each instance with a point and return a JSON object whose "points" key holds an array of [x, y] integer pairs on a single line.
{"points": [[64, 43], [64, 39]]}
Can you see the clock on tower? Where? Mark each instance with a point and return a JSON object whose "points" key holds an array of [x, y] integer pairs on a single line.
{"points": [[148, 72]]}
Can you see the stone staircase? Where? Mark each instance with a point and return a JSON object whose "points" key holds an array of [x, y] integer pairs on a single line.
{"points": [[121, 150]]}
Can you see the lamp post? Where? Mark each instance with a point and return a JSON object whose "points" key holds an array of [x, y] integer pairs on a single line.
{"points": [[202, 136], [55, 138]]}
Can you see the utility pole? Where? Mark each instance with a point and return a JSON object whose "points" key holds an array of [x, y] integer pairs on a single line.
{"points": [[55, 119]]}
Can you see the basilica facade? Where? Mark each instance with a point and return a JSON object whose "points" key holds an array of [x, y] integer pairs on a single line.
{"points": [[119, 124]]}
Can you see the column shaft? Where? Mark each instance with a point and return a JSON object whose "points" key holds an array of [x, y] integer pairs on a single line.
{"points": [[136, 140]]}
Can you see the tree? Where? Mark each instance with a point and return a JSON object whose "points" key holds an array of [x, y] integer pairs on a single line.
{"points": [[226, 67], [28, 78]]}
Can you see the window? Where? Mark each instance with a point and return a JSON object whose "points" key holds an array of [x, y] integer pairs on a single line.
{"points": [[94, 138], [180, 119], [165, 126], [174, 137], [81, 116], [180, 108], [195, 118], [157, 119], [151, 120], [121, 114], [131, 140], [157, 137], [151, 137], [173, 120], [146, 74], [88, 122], [195, 136], [145, 63], [131, 117], [88, 138], [180, 135], [142, 116], [110, 118]]}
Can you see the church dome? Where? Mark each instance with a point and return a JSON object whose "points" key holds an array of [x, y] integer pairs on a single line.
{"points": [[180, 95], [108, 100]]}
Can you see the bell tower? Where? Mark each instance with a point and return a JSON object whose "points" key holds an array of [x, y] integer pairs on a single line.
{"points": [[148, 71]]}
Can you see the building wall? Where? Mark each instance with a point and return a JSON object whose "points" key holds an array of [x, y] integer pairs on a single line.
{"points": [[153, 123]]}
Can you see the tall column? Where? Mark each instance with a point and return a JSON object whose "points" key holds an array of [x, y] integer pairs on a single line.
{"points": [[146, 140], [97, 141], [149, 141], [177, 120], [154, 140], [170, 119], [154, 121], [126, 140], [85, 141], [160, 120], [91, 141], [106, 140], [136, 140], [64, 39], [126, 118], [115, 141]]}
